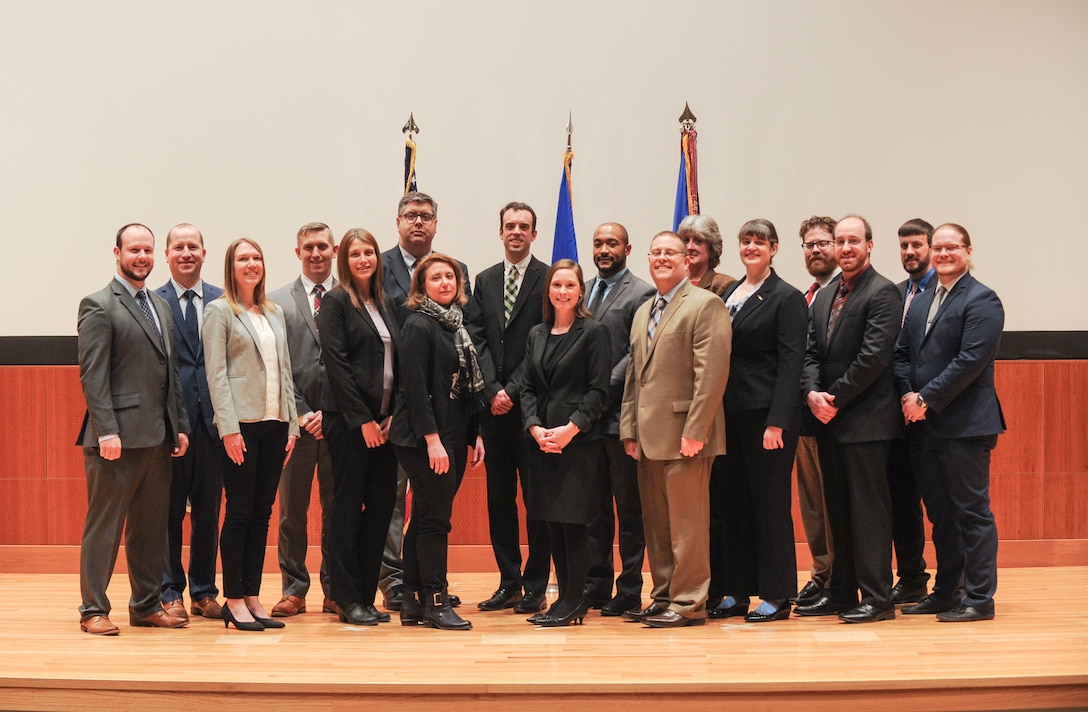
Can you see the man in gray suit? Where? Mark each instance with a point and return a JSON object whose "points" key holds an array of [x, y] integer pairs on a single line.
{"points": [[301, 301], [614, 296], [135, 421]]}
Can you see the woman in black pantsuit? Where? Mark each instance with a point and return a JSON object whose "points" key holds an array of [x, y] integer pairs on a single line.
{"points": [[435, 421], [563, 393], [752, 549], [358, 345]]}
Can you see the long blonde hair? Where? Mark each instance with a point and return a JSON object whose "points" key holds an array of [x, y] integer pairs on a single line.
{"points": [[230, 286]]}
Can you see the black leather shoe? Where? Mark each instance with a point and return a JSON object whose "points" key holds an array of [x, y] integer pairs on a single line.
{"points": [[455, 600], [593, 598], [382, 617], [437, 612], [807, 595], [965, 613], [355, 614], [779, 614], [822, 606], [868, 613], [671, 619], [532, 602], [503, 598], [905, 593], [652, 610], [395, 599], [928, 606], [737, 609], [621, 603]]}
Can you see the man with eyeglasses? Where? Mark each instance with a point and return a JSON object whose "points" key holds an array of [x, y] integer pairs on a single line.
{"points": [[944, 371], [818, 244], [417, 223], [847, 383], [672, 422]]}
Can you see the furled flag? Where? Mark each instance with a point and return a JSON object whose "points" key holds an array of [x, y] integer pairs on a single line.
{"points": [[409, 129], [687, 184], [565, 245]]}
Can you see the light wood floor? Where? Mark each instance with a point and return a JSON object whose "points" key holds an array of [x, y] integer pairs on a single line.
{"points": [[1033, 655]]}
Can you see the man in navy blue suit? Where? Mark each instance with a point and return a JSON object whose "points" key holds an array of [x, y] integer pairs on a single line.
{"points": [[944, 372], [197, 476]]}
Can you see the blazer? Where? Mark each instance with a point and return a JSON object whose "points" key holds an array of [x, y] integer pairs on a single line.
{"points": [[308, 370], [194, 381], [354, 356], [397, 281], [501, 346], [674, 389], [426, 379], [130, 376], [236, 374], [768, 352], [952, 366], [616, 311], [572, 385], [716, 282], [855, 366]]}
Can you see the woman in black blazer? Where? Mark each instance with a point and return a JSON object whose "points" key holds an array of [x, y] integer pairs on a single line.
{"points": [[752, 548], [358, 345], [435, 422], [563, 393]]}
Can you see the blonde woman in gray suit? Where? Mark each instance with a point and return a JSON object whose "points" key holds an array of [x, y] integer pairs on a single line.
{"points": [[249, 377]]}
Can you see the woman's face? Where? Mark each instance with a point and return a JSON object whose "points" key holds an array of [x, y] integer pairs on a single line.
{"points": [[698, 252], [248, 266], [362, 261], [564, 291], [756, 252], [440, 283]]}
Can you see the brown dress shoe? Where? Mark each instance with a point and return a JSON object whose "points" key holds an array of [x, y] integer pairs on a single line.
{"points": [[329, 606], [158, 619], [176, 609], [671, 619], [207, 607], [98, 625], [289, 606]]}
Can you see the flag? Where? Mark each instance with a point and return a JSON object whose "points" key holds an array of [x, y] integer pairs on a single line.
{"points": [[687, 183], [565, 245], [409, 165]]}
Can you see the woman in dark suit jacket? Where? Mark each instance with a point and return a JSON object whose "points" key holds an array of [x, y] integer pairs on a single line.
{"points": [[563, 394], [752, 548], [435, 422], [249, 379], [358, 345]]}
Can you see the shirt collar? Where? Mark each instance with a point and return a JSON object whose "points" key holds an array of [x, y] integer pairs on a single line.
{"points": [[672, 292], [409, 259], [923, 283], [308, 284], [851, 283], [197, 288], [611, 281], [128, 285], [506, 264]]}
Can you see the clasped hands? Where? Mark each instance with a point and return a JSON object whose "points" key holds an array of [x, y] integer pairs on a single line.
{"points": [[553, 440]]}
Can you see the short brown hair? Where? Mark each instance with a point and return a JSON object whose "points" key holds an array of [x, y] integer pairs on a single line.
{"points": [[827, 223], [417, 293]]}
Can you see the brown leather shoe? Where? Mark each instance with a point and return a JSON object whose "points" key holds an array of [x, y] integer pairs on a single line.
{"points": [[671, 619], [289, 606], [158, 619], [328, 606], [176, 609], [98, 625], [207, 607]]}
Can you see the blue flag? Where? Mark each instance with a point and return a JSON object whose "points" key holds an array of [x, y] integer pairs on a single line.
{"points": [[565, 245], [680, 211], [687, 184]]}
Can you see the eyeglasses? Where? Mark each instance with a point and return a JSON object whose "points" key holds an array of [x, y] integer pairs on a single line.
{"points": [[821, 245], [941, 249], [657, 254], [425, 218]]}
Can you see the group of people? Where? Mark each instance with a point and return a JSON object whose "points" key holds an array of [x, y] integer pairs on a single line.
{"points": [[672, 412]]}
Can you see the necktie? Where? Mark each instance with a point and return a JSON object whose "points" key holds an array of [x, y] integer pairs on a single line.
{"points": [[318, 292], [510, 293], [141, 299], [811, 293], [938, 297], [192, 328], [910, 297], [836, 308], [598, 295], [655, 316]]}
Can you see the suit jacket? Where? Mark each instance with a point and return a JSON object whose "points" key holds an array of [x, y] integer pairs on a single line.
{"points": [[716, 282], [354, 356], [768, 351], [855, 366], [396, 281], [674, 389], [308, 370], [501, 346], [617, 311], [236, 372], [952, 366], [194, 380], [572, 385], [129, 375]]}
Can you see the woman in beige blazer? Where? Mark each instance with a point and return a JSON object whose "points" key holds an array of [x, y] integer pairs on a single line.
{"points": [[249, 377]]}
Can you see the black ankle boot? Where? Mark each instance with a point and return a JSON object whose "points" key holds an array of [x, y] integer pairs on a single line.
{"points": [[437, 612], [411, 613]]}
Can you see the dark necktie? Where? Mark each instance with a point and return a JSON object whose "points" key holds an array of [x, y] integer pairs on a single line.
{"points": [[836, 308], [655, 316], [811, 293], [910, 298], [598, 294], [192, 328], [141, 299], [318, 292], [510, 294]]}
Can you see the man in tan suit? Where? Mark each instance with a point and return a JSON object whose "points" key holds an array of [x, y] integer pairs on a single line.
{"points": [[672, 422]]}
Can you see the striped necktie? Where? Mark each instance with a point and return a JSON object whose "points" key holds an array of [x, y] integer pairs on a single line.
{"points": [[836, 308], [655, 316], [910, 298], [319, 291]]}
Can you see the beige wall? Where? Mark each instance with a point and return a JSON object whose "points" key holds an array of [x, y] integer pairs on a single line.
{"points": [[252, 118]]}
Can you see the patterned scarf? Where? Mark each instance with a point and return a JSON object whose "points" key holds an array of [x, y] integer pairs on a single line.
{"points": [[451, 318]]}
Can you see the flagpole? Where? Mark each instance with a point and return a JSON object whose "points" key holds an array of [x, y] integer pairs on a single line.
{"points": [[410, 129]]}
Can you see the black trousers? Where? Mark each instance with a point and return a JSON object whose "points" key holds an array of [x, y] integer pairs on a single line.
{"points": [[934, 490], [908, 531], [620, 483], [570, 551]]}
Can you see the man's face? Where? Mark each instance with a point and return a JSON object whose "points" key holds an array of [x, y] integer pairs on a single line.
{"points": [[668, 262], [136, 255], [610, 250], [417, 225], [852, 250], [185, 255], [951, 257], [517, 234], [819, 246], [316, 251], [914, 252]]}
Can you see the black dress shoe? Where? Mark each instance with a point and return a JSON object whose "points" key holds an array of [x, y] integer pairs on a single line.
{"points": [[593, 598], [965, 613], [807, 595], [621, 603], [868, 613], [395, 599], [455, 600], [382, 617], [928, 606], [503, 598], [779, 614], [355, 614], [532, 602], [822, 606], [737, 609], [575, 617], [652, 610], [671, 619], [906, 593]]}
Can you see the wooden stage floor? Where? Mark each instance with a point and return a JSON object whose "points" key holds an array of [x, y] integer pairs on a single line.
{"points": [[1033, 655]]}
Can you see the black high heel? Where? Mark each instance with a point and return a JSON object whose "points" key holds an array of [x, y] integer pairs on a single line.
{"points": [[269, 623], [228, 618], [575, 617]]}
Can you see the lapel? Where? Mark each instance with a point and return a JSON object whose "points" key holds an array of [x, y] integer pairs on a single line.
{"points": [[399, 270], [670, 309], [532, 276], [302, 303], [853, 300], [247, 324], [613, 294], [129, 302], [957, 289], [168, 293], [755, 301]]}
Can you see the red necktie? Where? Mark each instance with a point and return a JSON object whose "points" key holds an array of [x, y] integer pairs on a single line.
{"points": [[811, 293]]}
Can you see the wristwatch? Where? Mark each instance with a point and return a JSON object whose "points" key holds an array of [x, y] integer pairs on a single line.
{"points": [[921, 401]]}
